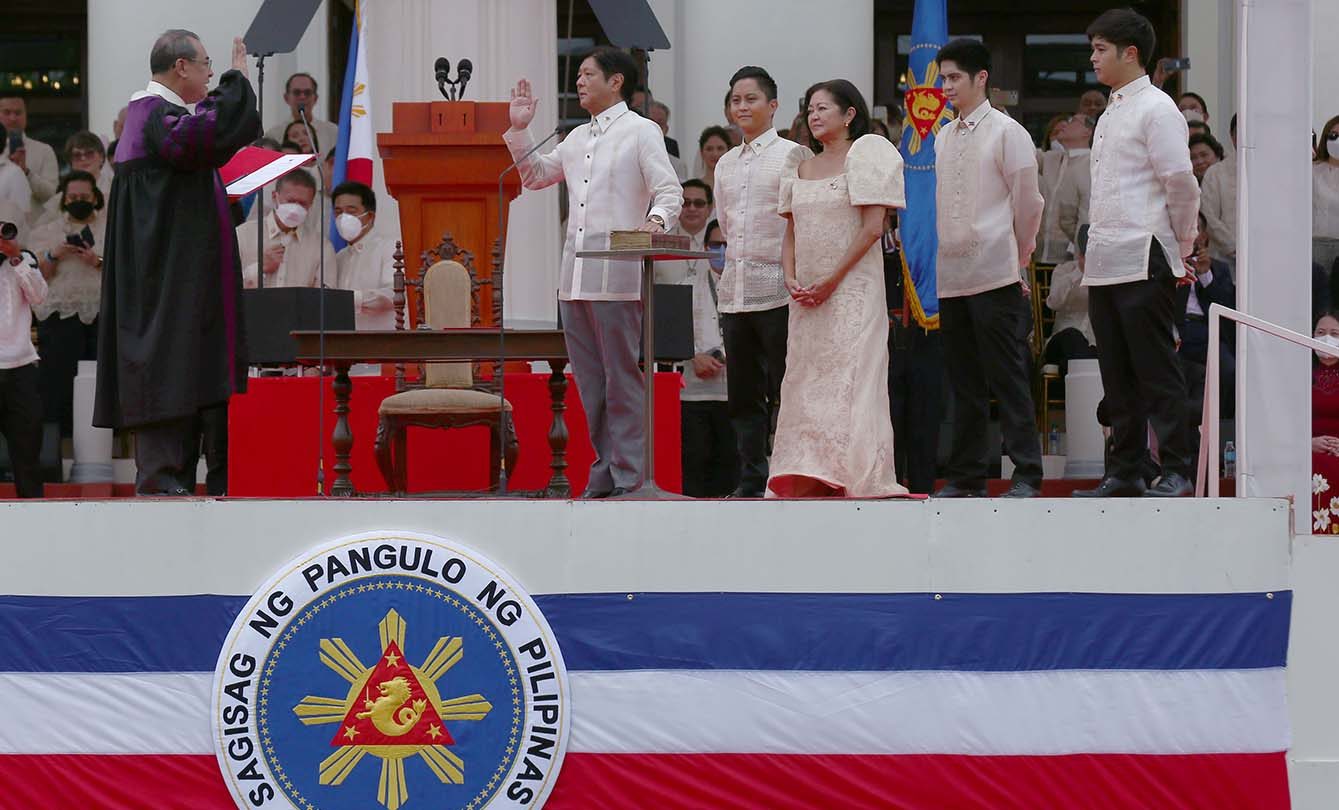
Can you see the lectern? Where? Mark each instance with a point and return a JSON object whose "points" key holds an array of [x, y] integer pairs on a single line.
{"points": [[441, 161]]}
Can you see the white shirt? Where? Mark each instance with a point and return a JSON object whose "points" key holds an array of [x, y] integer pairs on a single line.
{"points": [[368, 268], [618, 174], [1073, 196], [1325, 200], [1218, 203], [747, 191], [75, 288], [1053, 242], [987, 202], [1143, 187], [1068, 299], [21, 288], [14, 187], [706, 322], [303, 247], [43, 172]]}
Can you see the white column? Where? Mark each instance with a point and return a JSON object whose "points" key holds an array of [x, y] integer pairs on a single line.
{"points": [[1209, 40], [711, 39], [120, 36], [1325, 64], [92, 446], [1274, 249], [505, 39]]}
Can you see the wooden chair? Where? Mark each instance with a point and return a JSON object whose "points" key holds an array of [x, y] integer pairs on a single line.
{"points": [[446, 395]]}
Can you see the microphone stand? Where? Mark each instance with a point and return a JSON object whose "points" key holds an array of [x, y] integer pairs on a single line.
{"points": [[320, 309], [260, 192], [503, 227]]}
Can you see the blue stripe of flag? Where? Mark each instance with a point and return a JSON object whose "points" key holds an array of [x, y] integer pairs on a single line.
{"points": [[341, 167], [741, 631]]}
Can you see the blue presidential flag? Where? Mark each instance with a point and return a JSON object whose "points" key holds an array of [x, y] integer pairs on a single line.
{"points": [[927, 111]]}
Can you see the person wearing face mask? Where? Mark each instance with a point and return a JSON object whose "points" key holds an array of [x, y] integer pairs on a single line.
{"points": [[171, 347], [1325, 424], [67, 321], [1325, 198], [367, 264], [293, 244], [84, 152], [708, 440]]}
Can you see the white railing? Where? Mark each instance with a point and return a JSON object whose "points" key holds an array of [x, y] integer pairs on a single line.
{"points": [[1208, 459]]}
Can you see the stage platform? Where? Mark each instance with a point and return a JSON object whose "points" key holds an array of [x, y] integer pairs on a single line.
{"points": [[751, 654]]}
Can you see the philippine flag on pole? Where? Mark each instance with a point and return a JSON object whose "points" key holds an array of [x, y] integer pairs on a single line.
{"points": [[353, 152]]}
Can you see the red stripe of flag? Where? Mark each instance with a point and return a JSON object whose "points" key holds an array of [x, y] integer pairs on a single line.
{"points": [[735, 782]]}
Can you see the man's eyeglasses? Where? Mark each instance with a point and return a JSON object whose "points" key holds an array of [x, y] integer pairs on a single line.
{"points": [[696, 204], [301, 93], [207, 61]]}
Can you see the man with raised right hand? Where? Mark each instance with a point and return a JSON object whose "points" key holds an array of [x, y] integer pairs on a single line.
{"points": [[618, 177]]}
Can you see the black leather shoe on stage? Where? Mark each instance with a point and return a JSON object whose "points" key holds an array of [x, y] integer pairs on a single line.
{"points": [[1113, 487], [1171, 485], [1022, 489], [951, 490], [595, 494], [619, 492], [744, 493]]}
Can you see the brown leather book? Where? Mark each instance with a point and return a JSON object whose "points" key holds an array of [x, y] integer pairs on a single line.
{"points": [[643, 240]]}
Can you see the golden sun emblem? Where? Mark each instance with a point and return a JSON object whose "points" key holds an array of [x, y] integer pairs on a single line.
{"points": [[392, 711]]}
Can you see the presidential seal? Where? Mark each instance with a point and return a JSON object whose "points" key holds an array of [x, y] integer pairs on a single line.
{"points": [[394, 668]]}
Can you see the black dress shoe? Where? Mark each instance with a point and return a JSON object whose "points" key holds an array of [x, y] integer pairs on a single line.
{"points": [[1171, 485], [952, 490], [1022, 489], [744, 493], [595, 494], [1113, 487], [619, 492]]}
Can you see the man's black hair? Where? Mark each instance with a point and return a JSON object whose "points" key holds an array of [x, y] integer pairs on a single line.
{"points": [[1124, 27], [296, 177], [366, 195], [968, 54], [764, 79], [613, 60], [694, 182]]}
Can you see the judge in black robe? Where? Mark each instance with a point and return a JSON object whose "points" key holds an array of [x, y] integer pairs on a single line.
{"points": [[170, 334]]}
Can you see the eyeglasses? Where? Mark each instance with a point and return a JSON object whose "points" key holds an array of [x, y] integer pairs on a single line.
{"points": [[207, 61], [302, 93], [696, 204], [83, 154]]}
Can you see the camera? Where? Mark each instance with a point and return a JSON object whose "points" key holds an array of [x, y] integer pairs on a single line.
{"points": [[8, 230]]}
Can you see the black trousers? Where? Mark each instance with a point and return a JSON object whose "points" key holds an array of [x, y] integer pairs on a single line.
{"points": [[210, 437], [21, 423], [755, 362], [986, 349], [710, 466], [1142, 380], [167, 453], [63, 342], [916, 399]]}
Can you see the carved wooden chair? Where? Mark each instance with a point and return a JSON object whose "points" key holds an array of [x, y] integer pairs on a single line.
{"points": [[445, 395]]}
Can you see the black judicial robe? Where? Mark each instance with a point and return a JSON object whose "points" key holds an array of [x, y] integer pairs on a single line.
{"points": [[170, 336]]}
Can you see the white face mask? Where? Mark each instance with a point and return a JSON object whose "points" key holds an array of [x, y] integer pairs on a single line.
{"points": [[290, 214], [1056, 146], [1331, 340], [348, 226]]}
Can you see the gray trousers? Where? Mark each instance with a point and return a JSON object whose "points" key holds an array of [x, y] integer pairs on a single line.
{"points": [[604, 347]]}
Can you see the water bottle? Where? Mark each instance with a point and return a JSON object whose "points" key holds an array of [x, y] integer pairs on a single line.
{"points": [[1053, 441], [1229, 460]]}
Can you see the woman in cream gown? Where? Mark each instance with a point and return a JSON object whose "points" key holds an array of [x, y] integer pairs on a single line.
{"points": [[834, 436]]}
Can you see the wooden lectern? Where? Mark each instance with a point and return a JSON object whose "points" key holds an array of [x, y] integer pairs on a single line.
{"points": [[441, 161]]}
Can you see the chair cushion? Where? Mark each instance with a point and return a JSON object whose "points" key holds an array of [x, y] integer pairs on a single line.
{"points": [[440, 400]]}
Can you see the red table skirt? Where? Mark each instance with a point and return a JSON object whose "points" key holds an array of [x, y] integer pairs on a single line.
{"points": [[273, 438]]}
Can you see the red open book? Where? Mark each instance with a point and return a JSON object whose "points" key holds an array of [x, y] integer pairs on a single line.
{"points": [[253, 167]]}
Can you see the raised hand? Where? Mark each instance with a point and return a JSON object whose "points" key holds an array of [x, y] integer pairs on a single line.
{"points": [[523, 105], [239, 56]]}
